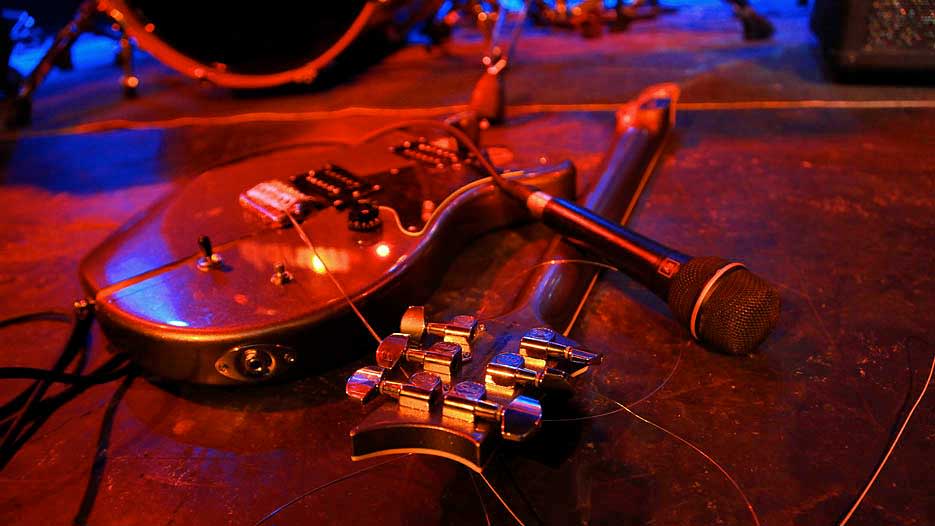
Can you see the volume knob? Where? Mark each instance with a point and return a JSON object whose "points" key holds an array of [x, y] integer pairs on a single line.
{"points": [[364, 217]]}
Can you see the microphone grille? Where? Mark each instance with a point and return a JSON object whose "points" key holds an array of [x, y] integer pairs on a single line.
{"points": [[738, 312]]}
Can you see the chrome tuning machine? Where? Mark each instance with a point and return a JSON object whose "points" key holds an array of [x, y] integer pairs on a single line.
{"points": [[442, 358], [460, 330], [541, 345], [517, 419], [420, 392], [507, 372]]}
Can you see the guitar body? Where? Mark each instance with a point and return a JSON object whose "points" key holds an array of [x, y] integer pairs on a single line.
{"points": [[184, 321]]}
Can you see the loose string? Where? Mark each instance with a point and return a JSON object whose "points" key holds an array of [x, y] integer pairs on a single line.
{"points": [[503, 502], [622, 407], [889, 451], [645, 397], [337, 284], [326, 485], [709, 458], [480, 498]]}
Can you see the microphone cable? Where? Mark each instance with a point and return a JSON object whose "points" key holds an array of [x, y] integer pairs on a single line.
{"points": [[24, 414]]}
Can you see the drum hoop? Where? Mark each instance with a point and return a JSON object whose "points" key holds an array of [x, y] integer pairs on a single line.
{"points": [[158, 48]]}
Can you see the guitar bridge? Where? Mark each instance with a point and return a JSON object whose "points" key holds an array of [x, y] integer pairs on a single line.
{"points": [[273, 201]]}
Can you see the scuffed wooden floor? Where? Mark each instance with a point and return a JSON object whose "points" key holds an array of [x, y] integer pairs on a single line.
{"points": [[834, 205]]}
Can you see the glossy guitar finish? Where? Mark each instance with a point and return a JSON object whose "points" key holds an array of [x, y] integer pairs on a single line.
{"points": [[183, 323], [457, 422]]}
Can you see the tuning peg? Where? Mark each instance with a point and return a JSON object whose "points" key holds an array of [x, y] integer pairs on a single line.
{"points": [[420, 392], [517, 420], [460, 329], [542, 344], [506, 371], [364, 385], [442, 358], [413, 322], [520, 418], [392, 349]]}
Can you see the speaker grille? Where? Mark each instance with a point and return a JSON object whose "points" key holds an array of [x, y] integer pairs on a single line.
{"points": [[739, 312], [901, 25]]}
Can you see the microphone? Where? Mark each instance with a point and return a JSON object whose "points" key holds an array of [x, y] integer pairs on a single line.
{"points": [[722, 304]]}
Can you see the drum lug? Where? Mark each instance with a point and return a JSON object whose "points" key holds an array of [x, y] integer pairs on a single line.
{"points": [[129, 82], [307, 77]]}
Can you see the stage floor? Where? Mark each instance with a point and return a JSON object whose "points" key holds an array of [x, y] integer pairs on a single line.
{"points": [[827, 190]]}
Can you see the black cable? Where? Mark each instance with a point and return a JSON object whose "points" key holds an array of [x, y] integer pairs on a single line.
{"points": [[45, 315], [77, 343], [15, 403], [114, 368], [99, 466], [35, 373], [37, 415]]}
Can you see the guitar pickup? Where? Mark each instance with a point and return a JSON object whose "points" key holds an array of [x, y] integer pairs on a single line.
{"points": [[428, 153], [334, 184], [273, 201]]}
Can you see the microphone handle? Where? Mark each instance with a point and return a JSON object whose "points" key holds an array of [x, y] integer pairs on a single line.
{"points": [[649, 262]]}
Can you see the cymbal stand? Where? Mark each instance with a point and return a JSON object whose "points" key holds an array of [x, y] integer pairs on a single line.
{"points": [[19, 112]]}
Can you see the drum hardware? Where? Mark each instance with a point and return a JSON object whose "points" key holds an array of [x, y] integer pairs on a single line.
{"points": [[590, 16], [129, 81], [209, 45], [20, 108], [59, 55], [488, 98], [485, 15], [755, 25]]}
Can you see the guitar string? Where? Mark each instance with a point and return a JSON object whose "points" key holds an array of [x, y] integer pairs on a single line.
{"points": [[736, 485], [503, 502], [311, 246], [318, 488], [337, 285], [889, 451], [581, 304], [709, 458], [647, 396], [622, 407], [480, 497]]}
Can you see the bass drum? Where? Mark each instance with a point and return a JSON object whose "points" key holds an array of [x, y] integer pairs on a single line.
{"points": [[262, 45]]}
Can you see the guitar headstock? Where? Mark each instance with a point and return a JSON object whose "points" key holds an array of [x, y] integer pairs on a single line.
{"points": [[455, 388]]}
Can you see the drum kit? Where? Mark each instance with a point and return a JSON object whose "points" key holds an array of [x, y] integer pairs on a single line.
{"points": [[237, 48], [249, 48]]}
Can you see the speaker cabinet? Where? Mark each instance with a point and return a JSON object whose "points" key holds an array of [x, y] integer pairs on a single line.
{"points": [[877, 35]]}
